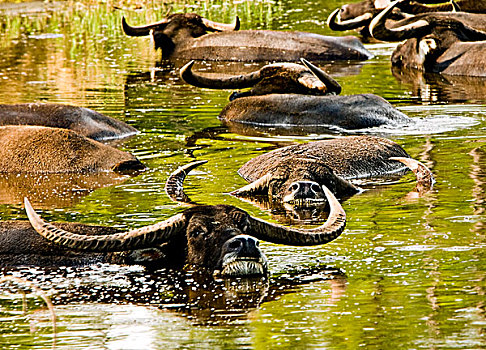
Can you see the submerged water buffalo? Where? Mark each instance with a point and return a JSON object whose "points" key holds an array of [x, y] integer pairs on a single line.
{"points": [[84, 121], [299, 174], [185, 36], [359, 15], [221, 239], [38, 149], [294, 95], [454, 45]]}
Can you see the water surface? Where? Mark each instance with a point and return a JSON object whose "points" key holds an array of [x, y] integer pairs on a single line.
{"points": [[407, 273]]}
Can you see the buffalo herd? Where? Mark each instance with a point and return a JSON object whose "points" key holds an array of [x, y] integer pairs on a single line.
{"points": [[37, 138]]}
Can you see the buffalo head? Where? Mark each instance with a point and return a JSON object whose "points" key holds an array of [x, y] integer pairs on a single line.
{"points": [[306, 79], [359, 15], [452, 44], [301, 174], [222, 239], [177, 28]]}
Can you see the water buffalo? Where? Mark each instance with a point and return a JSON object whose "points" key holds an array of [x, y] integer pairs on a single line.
{"points": [[448, 45], [298, 174], [84, 121], [185, 36], [221, 239], [38, 149], [359, 15], [294, 95]]}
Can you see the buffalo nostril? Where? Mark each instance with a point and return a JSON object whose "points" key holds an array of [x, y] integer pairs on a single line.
{"points": [[316, 188], [294, 187], [235, 244]]}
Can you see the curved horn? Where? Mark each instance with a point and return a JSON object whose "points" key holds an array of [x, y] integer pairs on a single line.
{"points": [[143, 30], [425, 178], [235, 82], [144, 237], [260, 185], [455, 6], [331, 84], [379, 30], [357, 22], [174, 187], [323, 234], [222, 27]]}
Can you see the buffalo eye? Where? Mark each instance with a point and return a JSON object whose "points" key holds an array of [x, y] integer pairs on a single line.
{"points": [[197, 232]]}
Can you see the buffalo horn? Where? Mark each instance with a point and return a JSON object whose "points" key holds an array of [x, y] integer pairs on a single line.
{"points": [[235, 82], [325, 233], [174, 187], [379, 30], [358, 22], [144, 237], [425, 178], [257, 186], [221, 27], [142, 30], [455, 6], [332, 85]]}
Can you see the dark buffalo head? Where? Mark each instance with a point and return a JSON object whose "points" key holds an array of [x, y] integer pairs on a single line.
{"points": [[298, 182], [306, 79], [177, 28], [436, 43], [221, 239], [300, 174], [359, 15], [355, 15]]}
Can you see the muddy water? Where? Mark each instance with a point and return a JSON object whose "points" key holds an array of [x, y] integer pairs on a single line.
{"points": [[407, 273]]}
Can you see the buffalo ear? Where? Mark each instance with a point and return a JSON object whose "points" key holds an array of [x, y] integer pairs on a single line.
{"points": [[128, 166]]}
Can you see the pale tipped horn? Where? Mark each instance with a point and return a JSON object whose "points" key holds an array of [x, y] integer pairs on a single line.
{"points": [[142, 30], [425, 178], [336, 24], [380, 31], [145, 237], [222, 27], [235, 82], [332, 85], [329, 231], [455, 6], [174, 187]]}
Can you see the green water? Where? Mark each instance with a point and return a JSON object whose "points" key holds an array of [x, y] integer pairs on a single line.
{"points": [[409, 273]]}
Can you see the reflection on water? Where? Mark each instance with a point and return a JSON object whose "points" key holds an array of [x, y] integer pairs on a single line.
{"points": [[414, 268], [200, 299], [433, 88], [53, 190]]}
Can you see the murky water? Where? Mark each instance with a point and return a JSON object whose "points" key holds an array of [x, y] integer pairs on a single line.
{"points": [[407, 273]]}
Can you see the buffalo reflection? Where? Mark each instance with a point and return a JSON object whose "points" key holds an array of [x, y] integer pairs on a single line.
{"points": [[199, 297], [435, 87]]}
